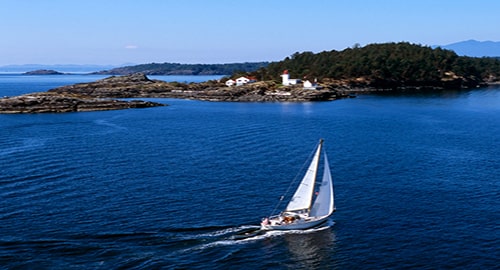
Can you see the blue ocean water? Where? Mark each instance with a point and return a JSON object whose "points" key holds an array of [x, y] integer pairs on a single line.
{"points": [[416, 183]]}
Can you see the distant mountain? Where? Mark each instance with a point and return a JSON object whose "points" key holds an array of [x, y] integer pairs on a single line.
{"points": [[475, 48], [61, 68]]}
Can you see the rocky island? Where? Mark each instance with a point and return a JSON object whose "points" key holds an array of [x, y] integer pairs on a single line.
{"points": [[103, 94], [43, 72], [139, 85]]}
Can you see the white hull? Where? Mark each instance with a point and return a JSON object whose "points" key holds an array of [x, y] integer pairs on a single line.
{"points": [[296, 225]]}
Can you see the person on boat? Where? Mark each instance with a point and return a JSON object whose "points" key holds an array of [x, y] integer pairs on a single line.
{"points": [[265, 221], [289, 219]]}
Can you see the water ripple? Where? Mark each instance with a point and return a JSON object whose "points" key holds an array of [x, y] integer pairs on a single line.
{"points": [[169, 187]]}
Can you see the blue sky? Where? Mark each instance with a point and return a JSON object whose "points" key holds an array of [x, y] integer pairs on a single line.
{"points": [[227, 31]]}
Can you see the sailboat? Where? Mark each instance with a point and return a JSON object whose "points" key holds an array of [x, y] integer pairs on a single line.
{"points": [[307, 209]]}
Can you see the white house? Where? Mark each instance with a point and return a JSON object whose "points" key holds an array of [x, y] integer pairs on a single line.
{"points": [[309, 85], [230, 82], [286, 79], [242, 81]]}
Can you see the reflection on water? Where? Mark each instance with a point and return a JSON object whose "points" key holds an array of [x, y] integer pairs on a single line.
{"points": [[312, 249]]}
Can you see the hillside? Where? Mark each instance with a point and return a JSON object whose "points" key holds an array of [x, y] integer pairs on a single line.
{"points": [[185, 69], [388, 66]]}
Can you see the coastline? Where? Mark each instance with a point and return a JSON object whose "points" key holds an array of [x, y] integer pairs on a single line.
{"points": [[104, 94]]}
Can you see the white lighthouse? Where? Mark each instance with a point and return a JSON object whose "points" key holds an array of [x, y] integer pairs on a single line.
{"points": [[285, 77]]}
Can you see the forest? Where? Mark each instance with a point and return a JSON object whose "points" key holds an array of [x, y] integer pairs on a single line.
{"points": [[388, 65]]}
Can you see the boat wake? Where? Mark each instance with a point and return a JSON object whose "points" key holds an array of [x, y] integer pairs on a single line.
{"points": [[246, 234], [263, 234]]}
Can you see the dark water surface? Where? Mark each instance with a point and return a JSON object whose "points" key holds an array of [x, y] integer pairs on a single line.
{"points": [[416, 179]]}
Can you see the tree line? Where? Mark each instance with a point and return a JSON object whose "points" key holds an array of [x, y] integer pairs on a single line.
{"points": [[396, 64], [186, 69]]}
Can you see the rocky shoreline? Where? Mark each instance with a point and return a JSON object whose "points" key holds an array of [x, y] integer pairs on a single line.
{"points": [[139, 85], [46, 102], [104, 94]]}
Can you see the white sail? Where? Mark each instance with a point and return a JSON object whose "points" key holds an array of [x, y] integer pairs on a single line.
{"points": [[302, 198], [324, 203], [300, 212]]}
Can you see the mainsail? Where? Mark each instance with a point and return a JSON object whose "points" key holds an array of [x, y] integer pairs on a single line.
{"points": [[302, 198], [324, 203]]}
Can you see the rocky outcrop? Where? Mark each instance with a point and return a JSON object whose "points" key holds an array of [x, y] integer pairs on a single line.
{"points": [[47, 102], [139, 85], [260, 92], [135, 85]]}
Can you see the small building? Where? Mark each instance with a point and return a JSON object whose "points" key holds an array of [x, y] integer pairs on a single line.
{"points": [[286, 79], [242, 81], [308, 85], [230, 82]]}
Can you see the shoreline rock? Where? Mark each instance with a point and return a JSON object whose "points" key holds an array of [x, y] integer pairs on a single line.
{"points": [[102, 94], [47, 102]]}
